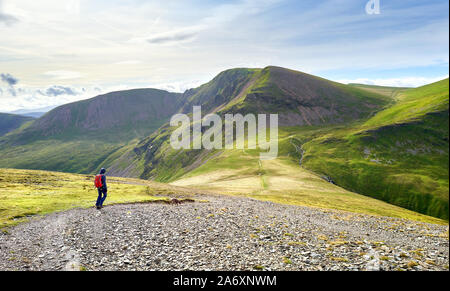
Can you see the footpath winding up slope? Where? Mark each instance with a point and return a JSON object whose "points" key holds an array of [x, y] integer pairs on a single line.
{"points": [[222, 234]]}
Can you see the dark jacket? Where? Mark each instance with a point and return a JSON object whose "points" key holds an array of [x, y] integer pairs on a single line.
{"points": [[102, 172]]}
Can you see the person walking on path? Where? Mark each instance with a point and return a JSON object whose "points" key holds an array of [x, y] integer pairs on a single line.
{"points": [[100, 183]]}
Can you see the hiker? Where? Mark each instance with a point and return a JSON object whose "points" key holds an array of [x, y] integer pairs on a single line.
{"points": [[100, 183]]}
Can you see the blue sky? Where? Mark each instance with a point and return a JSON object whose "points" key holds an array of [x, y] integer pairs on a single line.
{"points": [[79, 49]]}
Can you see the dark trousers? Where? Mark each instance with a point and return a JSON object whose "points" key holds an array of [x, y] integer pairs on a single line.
{"points": [[102, 193]]}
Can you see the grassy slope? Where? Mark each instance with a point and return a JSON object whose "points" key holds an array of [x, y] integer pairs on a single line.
{"points": [[240, 172], [400, 155], [303, 99], [391, 92], [11, 122], [68, 138], [269, 90], [413, 104], [330, 150], [219, 91], [27, 192]]}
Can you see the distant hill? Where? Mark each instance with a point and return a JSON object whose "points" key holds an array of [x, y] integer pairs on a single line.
{"points": [[383, 90], [77, 137], [11, 122], [121, 115], [34, 114]]}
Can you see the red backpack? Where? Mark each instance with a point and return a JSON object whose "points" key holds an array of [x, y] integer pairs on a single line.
{"points": [[98, 181]]}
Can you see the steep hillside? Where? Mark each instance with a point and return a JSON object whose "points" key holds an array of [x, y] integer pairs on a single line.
{"points": [[400, 155], [387, 143], [77, 137], [11, 122], [120, 115], [299, 99], [220, 91], [241, 173], [302, 99]]}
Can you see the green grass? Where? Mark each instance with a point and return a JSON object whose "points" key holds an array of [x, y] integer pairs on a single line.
{"points": [[241, 173], [400, 155], [403, 161], [413, 104], [221, 90], [282, 91], [24, 193], [76, 156], [249, 91], [385, 143], [82, 136], [391, 92], [77, 153]]}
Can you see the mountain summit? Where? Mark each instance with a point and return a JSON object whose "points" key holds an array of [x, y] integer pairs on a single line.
{"points": [[386, 143], [298, 98]]}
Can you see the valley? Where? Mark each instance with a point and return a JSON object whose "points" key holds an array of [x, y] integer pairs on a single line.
{"points": [[229, 136], [367, 149]]}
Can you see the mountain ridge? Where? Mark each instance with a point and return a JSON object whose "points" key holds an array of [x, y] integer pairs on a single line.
{"points": [[324, 124], [302, 98], [253, 91], [10, 122], [77, 137]]}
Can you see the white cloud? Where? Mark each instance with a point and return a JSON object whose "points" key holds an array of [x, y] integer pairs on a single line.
{"points": [[171, 44], [6, 18], [29, 97], [129, 62], [73, 7], [395, 82], [172, 37], [178, 87], [63, 75]]}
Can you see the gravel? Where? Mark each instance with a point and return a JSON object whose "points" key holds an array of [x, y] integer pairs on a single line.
{"points": [[225, 233]]}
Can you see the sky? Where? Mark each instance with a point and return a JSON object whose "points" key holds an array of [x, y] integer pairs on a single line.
{"points": [[54, 52]]}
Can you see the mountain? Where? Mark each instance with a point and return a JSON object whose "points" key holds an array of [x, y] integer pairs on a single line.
{"points": [[350, 147], [119, 115], [298, 98], [392, 144], [77, 137], [11, 122], [400, 155]]}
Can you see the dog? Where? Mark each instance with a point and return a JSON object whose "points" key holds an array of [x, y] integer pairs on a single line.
{"points": [[175, 201]]}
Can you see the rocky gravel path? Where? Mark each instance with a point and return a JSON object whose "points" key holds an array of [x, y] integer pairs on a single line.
{"points": [[226, 233]]}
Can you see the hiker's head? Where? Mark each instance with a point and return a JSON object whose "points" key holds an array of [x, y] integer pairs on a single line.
{"points": [[102, 171]]}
